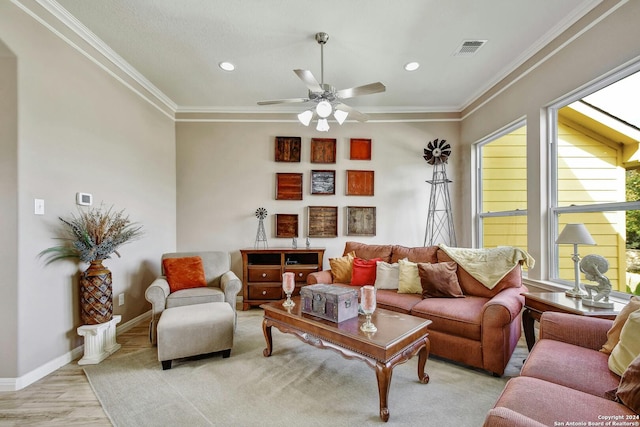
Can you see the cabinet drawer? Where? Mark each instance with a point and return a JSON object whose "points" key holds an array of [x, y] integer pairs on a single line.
{"points": [[301, 273], [265, 292], [265, 274]]}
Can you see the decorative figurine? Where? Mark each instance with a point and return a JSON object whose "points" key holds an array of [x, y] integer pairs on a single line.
{"points": [[261, 235], [294, 243], [594, 267], [308, 243]]}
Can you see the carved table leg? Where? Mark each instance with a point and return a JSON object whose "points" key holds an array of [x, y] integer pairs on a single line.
{"points": [[527, 326], [423, 355], [266, 329], [383, 373]]}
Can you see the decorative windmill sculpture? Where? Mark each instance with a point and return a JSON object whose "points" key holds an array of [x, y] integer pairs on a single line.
{"points": [[261, 235], [439, 218]]}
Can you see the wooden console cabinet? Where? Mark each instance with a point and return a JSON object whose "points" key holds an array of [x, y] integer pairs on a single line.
{"points": [[262, 272]]}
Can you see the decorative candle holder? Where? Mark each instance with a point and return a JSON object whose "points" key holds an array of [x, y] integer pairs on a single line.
{"points": [[368, 304], [288, 286]]}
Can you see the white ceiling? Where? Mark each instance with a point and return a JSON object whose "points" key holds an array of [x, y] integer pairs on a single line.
{"points": [[177, 45]]}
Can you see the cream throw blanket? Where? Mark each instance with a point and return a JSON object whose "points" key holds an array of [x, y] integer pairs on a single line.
{"points": [[488, 266]]}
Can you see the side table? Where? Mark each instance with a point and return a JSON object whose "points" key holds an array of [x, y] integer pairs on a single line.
{"points": [[536, 303]]}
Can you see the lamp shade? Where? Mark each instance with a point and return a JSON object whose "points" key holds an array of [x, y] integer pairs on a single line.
{"points": [[575, 234], [323, 109], [305, 117], [323, 125], [340, 116]]}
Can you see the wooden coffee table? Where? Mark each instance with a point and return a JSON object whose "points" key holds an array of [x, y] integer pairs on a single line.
{"points": [[398, 339]]}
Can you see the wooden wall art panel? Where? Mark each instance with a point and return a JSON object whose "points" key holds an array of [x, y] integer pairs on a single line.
{"points": [[323, 150], [360, 149], [361, 221], [286, 225], [360, 183], [323, 221], [288, 148], [288, 186], [323, 182]]}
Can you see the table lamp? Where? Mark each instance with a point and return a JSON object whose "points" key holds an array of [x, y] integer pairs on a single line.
{"points": [[575, 234]]}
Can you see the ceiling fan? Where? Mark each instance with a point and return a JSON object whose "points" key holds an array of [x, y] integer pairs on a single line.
{"points": [[328, 100]]}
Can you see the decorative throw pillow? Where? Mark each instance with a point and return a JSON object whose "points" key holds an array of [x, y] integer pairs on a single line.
{"points": [[408, 279], [613, 336], [184, 273], [628, 392], [628, 348], [341, 268], [439, 280], [364, 271], [387, 275]]}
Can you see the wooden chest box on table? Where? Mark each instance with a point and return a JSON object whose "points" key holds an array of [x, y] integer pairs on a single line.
{"points": [[329, 302]]}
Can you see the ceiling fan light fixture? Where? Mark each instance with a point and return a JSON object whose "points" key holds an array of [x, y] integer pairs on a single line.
{"points": [[340, 116], [324, 109], [323, 125], [305, 117]]}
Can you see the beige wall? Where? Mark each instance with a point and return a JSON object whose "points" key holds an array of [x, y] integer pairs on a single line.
{"points": [[592, 54], [225, 171], [8, 210], [78, 130]]}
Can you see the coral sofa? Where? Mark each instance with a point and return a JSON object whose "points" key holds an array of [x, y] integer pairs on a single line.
{"points": [[480, 330], [567, 381]]}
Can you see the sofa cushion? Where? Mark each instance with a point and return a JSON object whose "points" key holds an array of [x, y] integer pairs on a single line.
{"points": [[613, 336], [439, 280], [572, 366], [552, 404], [417, 254], [628, 392], [184, 273], [392, 300], [409, 279], [387, 275], [364, 271], [366, 251], [454, 316], [628, 348], [342, 268], [470, 286]]}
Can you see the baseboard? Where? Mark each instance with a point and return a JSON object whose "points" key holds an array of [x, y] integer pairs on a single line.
{"points": [[15, 384]]}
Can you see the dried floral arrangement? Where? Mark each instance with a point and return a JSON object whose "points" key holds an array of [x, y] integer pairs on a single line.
{"points": [[92, 235]]}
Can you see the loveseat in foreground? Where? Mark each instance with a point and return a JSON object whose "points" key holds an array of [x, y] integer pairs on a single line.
{"points": [[481, 328], [566, 380]]}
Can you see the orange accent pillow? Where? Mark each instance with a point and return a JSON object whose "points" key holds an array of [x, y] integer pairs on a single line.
{"points": [[184, 273], [439, 280], [364, 271], [342, 267], [613, 336]]}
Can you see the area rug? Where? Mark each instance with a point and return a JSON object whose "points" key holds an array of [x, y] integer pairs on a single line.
{"points": [[298, 385]]}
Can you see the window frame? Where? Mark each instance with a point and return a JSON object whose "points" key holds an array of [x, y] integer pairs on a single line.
{"points": [[480, 215]]}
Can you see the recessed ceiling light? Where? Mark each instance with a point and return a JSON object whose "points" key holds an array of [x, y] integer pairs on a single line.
{"points": [[227, 66], [411, 66]]}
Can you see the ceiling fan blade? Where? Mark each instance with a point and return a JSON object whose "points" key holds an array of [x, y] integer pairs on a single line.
{"points": [[283, 101], [353, 113], [307, 77], [361, 90]]}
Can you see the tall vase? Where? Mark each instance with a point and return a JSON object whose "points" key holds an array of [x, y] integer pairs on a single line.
{"points": [[96, 294]]}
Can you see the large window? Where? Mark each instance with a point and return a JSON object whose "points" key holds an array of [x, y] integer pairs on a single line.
{"points": [[594, 181], [502, 188]]}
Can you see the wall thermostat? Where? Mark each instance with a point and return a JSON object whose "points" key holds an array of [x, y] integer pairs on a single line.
{"points": [[84, 199]]}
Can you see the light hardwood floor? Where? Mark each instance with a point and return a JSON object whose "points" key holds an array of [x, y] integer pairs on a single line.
{"points": [[64, 397]]}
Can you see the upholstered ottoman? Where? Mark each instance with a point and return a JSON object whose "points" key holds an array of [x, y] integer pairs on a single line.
{"points": [[195, 329]]}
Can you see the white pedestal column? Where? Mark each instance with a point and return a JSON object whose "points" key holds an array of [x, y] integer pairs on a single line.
{"points": [[99, 341]]}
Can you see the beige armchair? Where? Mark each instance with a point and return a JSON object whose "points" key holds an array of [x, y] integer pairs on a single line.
{"points": [[222, 286]]}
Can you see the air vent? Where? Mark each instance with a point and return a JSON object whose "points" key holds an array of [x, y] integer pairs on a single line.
{"points": [[469, 47]]}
